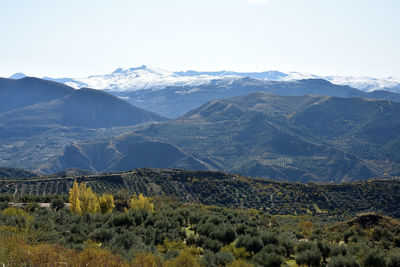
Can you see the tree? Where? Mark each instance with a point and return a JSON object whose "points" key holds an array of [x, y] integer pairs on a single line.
{"points": [[342, 261], [57, 204], [374, 259], [184, 259], [147, 260], [310, 257], [88, 199], [325, 250], [268, 259], [106, 203], [393, 259], [141, 203], [74, 202]]}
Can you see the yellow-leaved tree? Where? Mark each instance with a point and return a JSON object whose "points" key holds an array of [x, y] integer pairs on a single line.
{"points": [[83, 200], [88, 199], [141, 203], [74, 202], [106, 203]]}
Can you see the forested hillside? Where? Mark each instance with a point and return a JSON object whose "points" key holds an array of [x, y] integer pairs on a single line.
{"points": [[221, 189]]}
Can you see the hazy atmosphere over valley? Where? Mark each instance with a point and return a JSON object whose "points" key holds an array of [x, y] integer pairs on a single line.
{"points": [[200, 133]]}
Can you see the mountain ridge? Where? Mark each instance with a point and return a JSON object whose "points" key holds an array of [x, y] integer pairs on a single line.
{"points": [[174, 101], [154, 78], [282, 137], [32, 106]]}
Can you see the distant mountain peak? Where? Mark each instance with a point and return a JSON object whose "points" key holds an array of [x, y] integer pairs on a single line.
{"points": [[145, 77], [17, 76], [124, 70]]}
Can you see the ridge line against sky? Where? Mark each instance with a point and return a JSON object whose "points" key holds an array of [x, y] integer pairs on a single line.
{"points": [[80, 38]]}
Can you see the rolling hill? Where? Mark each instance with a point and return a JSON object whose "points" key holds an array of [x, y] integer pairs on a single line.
{"points": [[222, 189], [86, 108], [6, 173], [28, 91], [295, 138]]}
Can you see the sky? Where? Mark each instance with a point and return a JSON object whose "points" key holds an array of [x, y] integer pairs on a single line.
{"points": [[80, 38]]}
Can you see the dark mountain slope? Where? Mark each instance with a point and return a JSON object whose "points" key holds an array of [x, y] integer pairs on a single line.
{"points": [[124, 154], [6, 172], [86, 108], [96, 109], [28, 91]]}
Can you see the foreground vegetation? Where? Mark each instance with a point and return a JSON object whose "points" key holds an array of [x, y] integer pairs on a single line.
{"points": [[161, 231]]}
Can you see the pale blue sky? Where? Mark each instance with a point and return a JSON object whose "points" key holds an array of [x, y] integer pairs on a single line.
{"points": [[78, 38]]}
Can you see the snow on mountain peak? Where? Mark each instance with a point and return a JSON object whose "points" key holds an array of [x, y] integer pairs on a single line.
{"points": [[18, 75], [145, 77]]}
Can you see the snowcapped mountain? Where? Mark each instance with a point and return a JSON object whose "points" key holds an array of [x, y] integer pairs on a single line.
{"points": [[367, 83], [143, 77], [18, 75]]}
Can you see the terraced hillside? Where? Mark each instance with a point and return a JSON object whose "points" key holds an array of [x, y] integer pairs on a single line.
{"points": [[217, 188]]}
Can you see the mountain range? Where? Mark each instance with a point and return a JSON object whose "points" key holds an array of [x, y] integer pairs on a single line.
{"points": [[144, 77], [175, 101], [172, 94], [304, 130], [296, 138]]}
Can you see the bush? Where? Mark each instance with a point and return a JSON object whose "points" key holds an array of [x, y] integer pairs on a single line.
{"points": [[221, 258], [274, 249], [147, 260], [269, 238], [126, 240], [342, 261], [224, 234], [240, 229], [374, 259], [32, 207], [252, 244], [123, 220], [337, 250], [57, 204], [393, 260], [213, 245], [310, 257], [102, 234], [268, 259], [184, 259]]}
